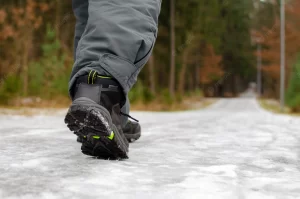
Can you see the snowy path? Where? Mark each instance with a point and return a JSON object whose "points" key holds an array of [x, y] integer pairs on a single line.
{"points": [[231, 150]]}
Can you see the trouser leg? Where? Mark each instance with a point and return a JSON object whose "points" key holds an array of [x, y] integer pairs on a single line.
{"points": [[80, 9], [117, 40]]}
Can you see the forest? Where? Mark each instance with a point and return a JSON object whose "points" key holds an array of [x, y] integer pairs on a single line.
{"points": [[203, 46]]}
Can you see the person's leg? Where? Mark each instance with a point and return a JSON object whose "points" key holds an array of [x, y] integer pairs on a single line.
{"points": [[80, 10], [117, 40], [115, 45]]}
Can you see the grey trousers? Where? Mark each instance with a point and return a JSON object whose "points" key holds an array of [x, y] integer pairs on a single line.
{"points": [[115, 38]]}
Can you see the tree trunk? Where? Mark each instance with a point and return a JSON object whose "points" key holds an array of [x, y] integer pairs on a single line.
{"points": [[182, 78], [233, 85], [197, 79], [152, 74], [26, 44], [25, 58], [57, 18], [190, 81], [173, 53]]}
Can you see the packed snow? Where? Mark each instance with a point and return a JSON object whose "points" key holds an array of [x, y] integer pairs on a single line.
{"points": [[230, 150]]}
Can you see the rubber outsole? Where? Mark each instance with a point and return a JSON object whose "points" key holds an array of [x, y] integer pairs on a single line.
{"points": [[130, 137], [92, 124]]}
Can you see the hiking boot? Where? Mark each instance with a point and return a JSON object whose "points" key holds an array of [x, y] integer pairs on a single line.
{"points": [[80, 139], [95, 116], [132, 132]]}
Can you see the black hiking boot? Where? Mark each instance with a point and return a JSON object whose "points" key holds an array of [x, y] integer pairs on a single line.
{"points": [[132, 132], [80, 139], [95, 116]]}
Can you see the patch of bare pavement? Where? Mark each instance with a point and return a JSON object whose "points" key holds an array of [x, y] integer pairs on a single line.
{"points": [[232, 150]]}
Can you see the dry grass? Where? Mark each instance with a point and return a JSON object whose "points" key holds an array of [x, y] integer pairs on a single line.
{"points": [[189, 103], [25, 111], [35, 106], [51, 107], [273, 106]]}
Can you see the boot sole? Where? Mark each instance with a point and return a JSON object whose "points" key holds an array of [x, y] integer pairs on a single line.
{"points": [[93, 123], [130, 137]]}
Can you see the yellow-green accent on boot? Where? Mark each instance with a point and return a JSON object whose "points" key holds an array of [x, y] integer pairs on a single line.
{"points": [[104, 77], [111, 136], [96, 137]]}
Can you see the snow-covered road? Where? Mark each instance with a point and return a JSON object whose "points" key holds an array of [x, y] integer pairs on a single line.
{"points": [[231, 150]]}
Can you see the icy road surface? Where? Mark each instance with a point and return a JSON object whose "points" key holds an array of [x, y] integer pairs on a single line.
{"points": [[231, 150]]}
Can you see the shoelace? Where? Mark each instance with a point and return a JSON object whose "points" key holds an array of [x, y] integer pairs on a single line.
{"points": [[128, 116]]}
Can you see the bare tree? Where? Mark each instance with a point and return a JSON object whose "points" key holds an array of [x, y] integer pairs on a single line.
{"points": [[173, 53], [152, 74]]}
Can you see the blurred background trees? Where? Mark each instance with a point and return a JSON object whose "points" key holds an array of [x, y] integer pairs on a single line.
{"points": [[206, 46]]}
